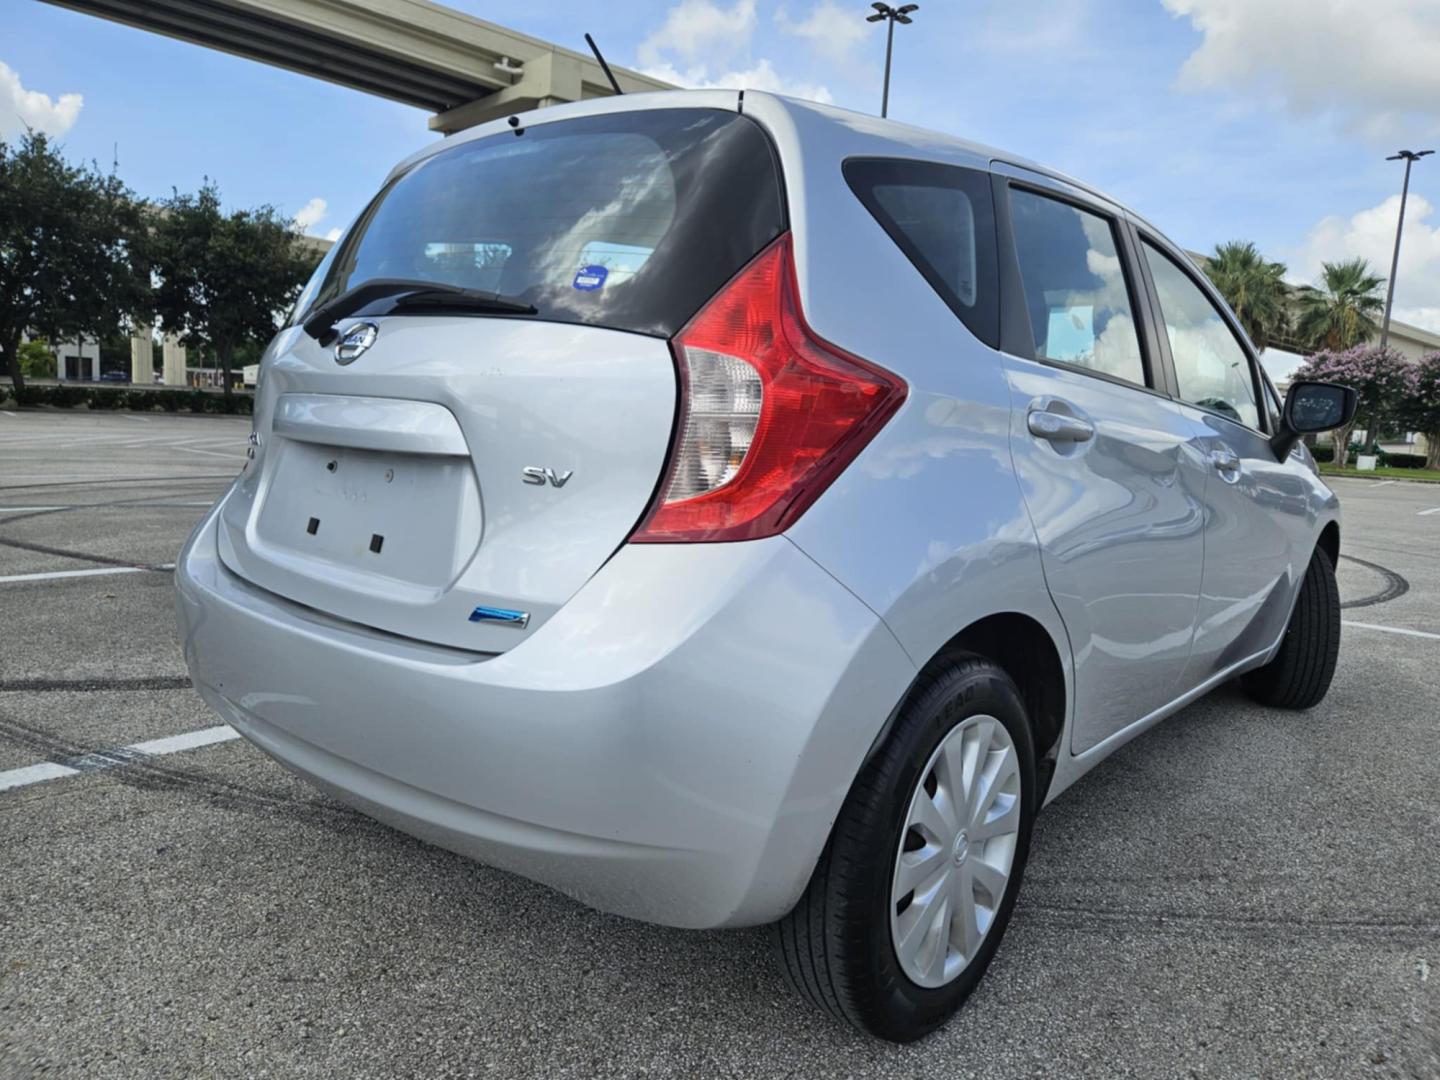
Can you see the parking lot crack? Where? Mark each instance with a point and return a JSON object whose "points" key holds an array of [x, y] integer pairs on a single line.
{"points": [[66, 553], [93, 684], [145, 772]]}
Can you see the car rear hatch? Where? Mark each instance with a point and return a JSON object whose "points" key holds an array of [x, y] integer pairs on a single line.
{"points": [[438, 467]]}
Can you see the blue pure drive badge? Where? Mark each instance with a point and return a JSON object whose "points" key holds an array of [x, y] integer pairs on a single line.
{"points": [[500, 615], [590, 278]]}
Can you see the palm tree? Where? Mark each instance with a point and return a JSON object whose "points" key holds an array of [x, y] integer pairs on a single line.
{"points": [[1254, 288], [1342, 313]]}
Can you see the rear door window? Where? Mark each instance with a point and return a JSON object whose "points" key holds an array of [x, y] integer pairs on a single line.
{"points": [[628, 220], [942, 217], [1076, 290]]}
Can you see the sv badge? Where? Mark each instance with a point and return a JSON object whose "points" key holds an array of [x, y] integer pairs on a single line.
{"points": [[534, 474]]}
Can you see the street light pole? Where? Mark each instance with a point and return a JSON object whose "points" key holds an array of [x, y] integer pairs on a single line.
{"points": [[893, 15], [889, 50], [1409, 157]]}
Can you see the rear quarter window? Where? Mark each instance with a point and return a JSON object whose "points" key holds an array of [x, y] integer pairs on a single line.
{"points": [[943, 218], [628, 220]]}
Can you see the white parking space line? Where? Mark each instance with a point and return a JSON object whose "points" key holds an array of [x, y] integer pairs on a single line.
{"points": [[50, 479], [100, 506], [34, 774], [108, 759], [189, 740], [234, 455], [99, 571], [1392, 630], [1383, 483], [1427, 513], [132, 416]]}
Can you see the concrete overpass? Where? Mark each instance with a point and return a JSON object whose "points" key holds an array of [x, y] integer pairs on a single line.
{"points": [[462, 69]]}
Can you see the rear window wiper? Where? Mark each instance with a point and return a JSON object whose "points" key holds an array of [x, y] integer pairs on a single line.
{"points": [[320, 324], [456, 299]]}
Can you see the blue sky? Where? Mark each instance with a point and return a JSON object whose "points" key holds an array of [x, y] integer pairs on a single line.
{"points": [[1266, 120]]}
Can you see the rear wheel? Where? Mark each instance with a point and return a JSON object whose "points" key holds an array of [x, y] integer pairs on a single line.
{"points": [[1300, 673], [915, 888]]}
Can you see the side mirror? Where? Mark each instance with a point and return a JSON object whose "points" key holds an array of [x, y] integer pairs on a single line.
{"points": [[1312, 407]]}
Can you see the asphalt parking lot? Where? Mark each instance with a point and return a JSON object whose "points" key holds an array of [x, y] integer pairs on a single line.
{"points": [[1240, 893]]}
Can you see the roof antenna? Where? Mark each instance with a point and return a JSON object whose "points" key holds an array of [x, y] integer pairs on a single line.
{"points": [[608, 73]]}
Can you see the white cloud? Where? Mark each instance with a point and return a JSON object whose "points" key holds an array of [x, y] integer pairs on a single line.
{"points": [[333, 235], [21, 108], [1280, 364], [1375, 64], [1427, 318], [832, 30], [311, 214], [701, 31], [1039, 28], [1371, 235], [704, 45], [759, 76]]}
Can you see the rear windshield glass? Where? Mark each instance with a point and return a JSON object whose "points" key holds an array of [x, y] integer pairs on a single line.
{"points": [[629, 220]]}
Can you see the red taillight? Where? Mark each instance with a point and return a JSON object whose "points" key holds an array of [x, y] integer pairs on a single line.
{"points": [[769, 413]]}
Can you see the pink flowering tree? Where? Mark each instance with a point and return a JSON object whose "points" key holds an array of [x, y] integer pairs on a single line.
{"points": [[1422, 410], [1382, 378]]}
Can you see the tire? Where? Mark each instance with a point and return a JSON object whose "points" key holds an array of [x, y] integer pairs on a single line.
{"points": [[1300, 673], [838, 946]]}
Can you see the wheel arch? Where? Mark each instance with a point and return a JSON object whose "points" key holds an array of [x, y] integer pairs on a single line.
{"points": [[1329, 541], [1025, 649]]}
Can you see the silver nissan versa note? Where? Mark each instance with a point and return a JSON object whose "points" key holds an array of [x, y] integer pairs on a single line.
{"points": [[731, 510]]}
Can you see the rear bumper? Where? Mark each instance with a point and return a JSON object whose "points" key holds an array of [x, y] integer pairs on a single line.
{"points": [[673, 745]]}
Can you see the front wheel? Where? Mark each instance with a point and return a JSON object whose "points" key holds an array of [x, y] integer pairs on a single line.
{"points": [[913, 892], [1300, 673]]}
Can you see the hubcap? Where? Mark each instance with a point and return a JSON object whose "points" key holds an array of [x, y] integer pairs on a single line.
{"points": [[956, 851], [962, 848]]}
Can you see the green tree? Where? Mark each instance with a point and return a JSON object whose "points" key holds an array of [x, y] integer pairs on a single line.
{"points": [[1254, 288], [1343, 313], [72, 250], [1422, 410], [36, 359], [1383, 381], [115, 352], [225, 279]]}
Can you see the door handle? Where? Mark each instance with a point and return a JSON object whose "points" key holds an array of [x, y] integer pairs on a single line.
{"points": [[1225, 459], [1057, 427]]}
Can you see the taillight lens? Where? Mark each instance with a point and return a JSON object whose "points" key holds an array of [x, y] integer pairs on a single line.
{"points": [[770, 414]]}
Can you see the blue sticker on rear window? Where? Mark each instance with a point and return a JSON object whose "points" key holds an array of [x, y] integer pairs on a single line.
{"points": [[590, 278]]}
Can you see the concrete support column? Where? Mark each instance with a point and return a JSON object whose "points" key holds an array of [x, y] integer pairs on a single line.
{"points": [[142, 358], [173, 358]]}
